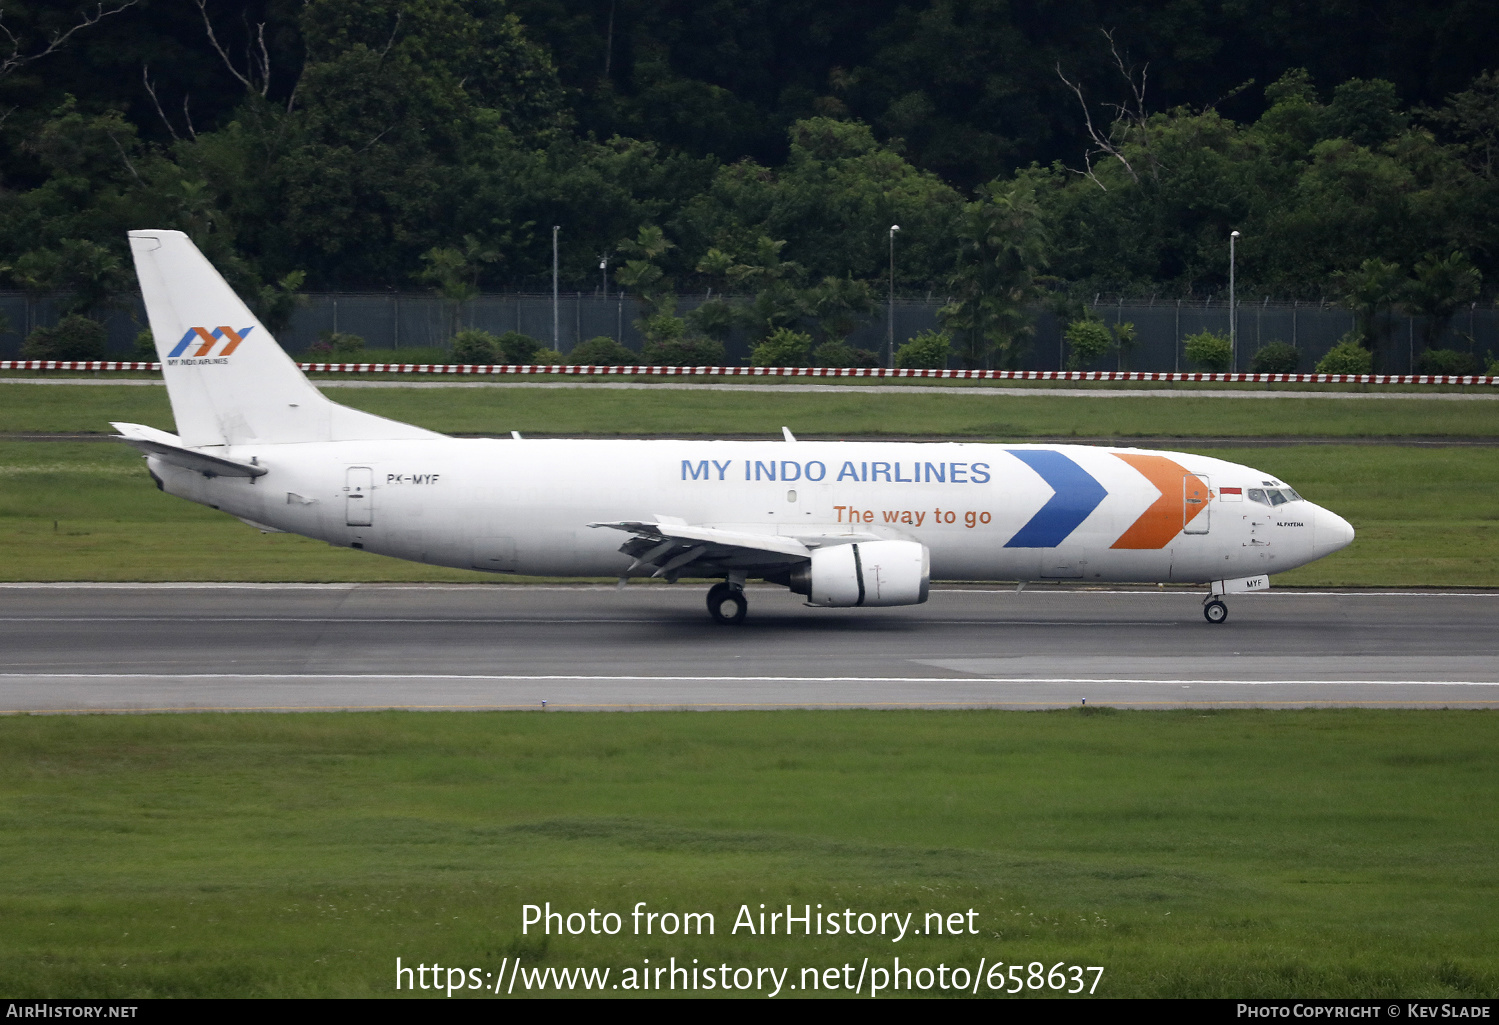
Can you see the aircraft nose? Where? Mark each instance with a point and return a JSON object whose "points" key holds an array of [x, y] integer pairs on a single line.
{"points": [[1332, 532]]}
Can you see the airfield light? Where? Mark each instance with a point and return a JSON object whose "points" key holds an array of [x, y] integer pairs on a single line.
{"points": [[1233, 313], [890, 319]]}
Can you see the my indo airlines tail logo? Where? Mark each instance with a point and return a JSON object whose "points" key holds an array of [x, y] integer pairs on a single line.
{"points": [[206, 341]]}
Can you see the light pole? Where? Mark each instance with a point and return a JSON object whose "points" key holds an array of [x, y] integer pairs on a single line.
{"points": [[890, 318], [604, 275], [556, 333], [1233, 313]]}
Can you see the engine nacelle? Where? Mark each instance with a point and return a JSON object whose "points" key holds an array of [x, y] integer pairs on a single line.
{"points": [[865, 573]]}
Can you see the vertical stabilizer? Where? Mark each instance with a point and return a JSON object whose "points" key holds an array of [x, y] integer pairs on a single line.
{"points": [[229, 381]]}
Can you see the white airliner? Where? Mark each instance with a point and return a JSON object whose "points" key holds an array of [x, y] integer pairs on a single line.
{"points": [[844, 524]]}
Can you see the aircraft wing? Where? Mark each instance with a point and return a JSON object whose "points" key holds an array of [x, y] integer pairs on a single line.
{"points": [[169, 448], [671, 546]]}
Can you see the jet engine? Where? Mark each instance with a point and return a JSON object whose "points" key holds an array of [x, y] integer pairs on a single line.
{"points": [[865, 573]]}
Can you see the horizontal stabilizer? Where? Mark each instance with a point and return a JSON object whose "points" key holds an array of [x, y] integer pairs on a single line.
{"points": [[169, 449]]}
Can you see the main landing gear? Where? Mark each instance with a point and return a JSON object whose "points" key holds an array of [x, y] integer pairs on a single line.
{"points": [[726, 603], [1214, 611]]}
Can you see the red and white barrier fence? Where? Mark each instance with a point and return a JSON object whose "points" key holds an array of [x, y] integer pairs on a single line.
{"points": [[875, 372]]}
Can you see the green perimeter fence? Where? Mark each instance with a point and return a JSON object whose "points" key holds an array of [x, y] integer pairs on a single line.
{"points": [[389, 322]]}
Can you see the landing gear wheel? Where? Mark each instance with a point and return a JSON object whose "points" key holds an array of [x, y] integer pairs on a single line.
{"points": [[1215, 611], [726, 604]]}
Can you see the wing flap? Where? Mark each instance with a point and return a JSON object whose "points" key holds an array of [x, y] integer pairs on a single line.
{"points": [[661, 531], [670, 546]]}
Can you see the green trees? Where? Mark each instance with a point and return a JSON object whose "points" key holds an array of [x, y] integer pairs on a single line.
{"points": [[1001, 247], [1088, 341], [67, 235], [1276, 358], [74, 337], [928, 350], [454, 273], [642, 272], [401, 106], [767, 149], [670, 340], [831, 204], [783, 348], [1438, 287], [1208, 351], [477, 347], [839, 305], [839, 353], [1370, 291], [1347, 357], [518, 349], [683, 351], [340, 344], [1433, 291], [1323, 191], [601, 352], [1448, 361]]}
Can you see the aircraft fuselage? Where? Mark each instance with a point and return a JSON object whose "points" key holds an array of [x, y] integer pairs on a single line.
{"points": [[984, 511]]}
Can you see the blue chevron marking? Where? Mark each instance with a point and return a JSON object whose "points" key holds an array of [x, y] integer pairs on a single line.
{"points": [[1077, 495]]}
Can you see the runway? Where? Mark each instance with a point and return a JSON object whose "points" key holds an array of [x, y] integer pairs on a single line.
{"points": [[143, 648]]}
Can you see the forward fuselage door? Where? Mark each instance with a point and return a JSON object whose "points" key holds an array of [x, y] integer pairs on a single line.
{"points": [[359, 498], [1196, 507]]}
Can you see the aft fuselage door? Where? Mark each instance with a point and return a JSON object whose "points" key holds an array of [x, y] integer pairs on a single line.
{"points": [[1196, 507], [359, 499]]}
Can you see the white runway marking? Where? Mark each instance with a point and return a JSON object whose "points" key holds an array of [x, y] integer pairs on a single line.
{"points": [[500, 678]]}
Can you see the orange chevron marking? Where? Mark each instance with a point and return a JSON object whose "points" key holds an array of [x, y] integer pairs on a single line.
{"points": [[234, 339], [1168, 514], [209, 341]]}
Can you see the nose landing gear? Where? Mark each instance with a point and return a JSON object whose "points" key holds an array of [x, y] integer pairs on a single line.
{"points": [[726, 603], [1214, 611]]}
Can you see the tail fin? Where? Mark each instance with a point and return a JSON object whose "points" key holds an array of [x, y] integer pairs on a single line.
{"points": [[228, 380]]}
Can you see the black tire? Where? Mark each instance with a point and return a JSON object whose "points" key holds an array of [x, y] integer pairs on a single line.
{"points": [[721, 596], [1215, 612]]}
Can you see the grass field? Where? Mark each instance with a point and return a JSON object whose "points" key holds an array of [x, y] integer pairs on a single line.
{"points": [[687, 413], [87, 511], [1233, 854], [1228, 854]]}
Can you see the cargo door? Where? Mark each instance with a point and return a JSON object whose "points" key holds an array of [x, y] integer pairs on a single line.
{"points": [[1196, 504], [359, 497]]}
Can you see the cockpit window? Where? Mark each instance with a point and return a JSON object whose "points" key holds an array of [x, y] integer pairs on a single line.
{"points": [[1273, 496]]}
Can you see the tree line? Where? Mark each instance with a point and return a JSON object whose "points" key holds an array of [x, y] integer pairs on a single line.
{"points": [[759, 153]]}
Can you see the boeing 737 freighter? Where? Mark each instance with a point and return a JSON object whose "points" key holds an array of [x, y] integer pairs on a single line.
{"points": [[844, 524]]}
